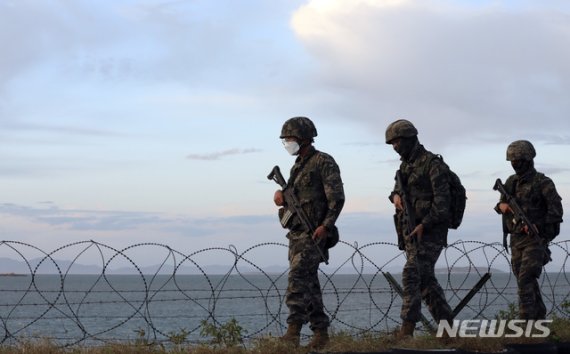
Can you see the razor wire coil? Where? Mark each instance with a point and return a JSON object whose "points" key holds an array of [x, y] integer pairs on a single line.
{"points": [[180, 293]]}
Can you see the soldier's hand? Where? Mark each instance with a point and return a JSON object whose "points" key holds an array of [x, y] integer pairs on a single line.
{"points": [[418, 233], [278, 197], [505, 208], [527, 229], [320, 233], [397, 202]]}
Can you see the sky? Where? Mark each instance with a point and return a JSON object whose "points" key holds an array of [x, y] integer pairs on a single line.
{"points": [[149, 121]]}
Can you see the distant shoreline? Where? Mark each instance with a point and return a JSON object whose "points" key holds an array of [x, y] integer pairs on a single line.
{"points": [[11, 274], [467, 270]]}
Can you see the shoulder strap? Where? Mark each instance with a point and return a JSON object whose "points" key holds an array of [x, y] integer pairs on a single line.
{"points": [[431, 157], [539, 176], [538, 180], [294, 173]]}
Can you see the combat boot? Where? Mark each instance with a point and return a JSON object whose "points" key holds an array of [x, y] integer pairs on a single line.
{"points": [[319, 340], [293, 334], [407, 329]]}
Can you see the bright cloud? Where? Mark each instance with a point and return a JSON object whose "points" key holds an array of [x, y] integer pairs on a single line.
{"points": [[447, 63]]}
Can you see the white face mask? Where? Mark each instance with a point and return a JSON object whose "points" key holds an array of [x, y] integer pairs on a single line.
{"points": [[292, 147]]}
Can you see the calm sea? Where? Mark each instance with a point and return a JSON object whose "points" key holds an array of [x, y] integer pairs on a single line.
{"points": [[93, 309]]}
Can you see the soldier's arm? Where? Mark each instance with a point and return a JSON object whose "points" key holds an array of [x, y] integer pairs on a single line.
{"points": [[551, 226], [395, 191], [396, 195], [334, 191]]}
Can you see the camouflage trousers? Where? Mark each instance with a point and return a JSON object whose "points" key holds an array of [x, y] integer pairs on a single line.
{"points": [[304, 297], [527, 262], [419, 282]]}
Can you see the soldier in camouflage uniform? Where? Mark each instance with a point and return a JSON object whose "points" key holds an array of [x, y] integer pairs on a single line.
{"points": [[316, 180], [427, 188], [536, 195]]}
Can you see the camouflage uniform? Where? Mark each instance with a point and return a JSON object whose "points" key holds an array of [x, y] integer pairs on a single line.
{"points": [[315, 179], [537, 196], [426, 180], [318, 185]]}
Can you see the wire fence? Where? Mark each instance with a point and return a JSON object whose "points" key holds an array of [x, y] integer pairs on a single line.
{"points": [[121, 299]]}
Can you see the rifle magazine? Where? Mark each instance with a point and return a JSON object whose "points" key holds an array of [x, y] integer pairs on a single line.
{"points": [[285, 216]]}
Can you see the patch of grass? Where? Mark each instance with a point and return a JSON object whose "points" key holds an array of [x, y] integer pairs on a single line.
{"points": [[510, 313], [226, 335], [227, 339]]}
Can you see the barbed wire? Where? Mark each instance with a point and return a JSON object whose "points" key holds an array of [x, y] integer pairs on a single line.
{"points": [[121, 300]]}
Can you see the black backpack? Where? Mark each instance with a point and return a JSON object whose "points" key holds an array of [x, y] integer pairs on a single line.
{"points": [[458, 196]]}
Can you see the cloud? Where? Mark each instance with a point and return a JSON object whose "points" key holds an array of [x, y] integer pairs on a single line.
{"points": [[51, 215], [552, 139], [552, 170], [48, 226], [364, 144], [85, 220], [485, 68], [220, 154], [56, 129], [59, 31]]}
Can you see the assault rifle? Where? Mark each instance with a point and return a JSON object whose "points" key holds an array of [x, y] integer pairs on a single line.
{"points": [[408, 213], [519, 217], [293, 207]]}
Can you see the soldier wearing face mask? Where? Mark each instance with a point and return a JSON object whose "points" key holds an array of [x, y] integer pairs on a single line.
{"points": [[537, 196], [315, 179], [427, 188]]}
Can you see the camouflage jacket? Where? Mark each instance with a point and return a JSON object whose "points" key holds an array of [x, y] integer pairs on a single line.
{"points": [[537, 196], [426, 181], [316, 180]]}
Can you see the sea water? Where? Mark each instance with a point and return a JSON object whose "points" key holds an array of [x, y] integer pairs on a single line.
{"points": [[94, 309]]}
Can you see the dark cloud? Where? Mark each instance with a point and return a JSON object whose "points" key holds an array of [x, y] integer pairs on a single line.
{"points": [[364, 144], [56, 129], [83, 219], [551, 139], [48, 213], [58, 31], [533, 136], [220, 154], [552, 170]]}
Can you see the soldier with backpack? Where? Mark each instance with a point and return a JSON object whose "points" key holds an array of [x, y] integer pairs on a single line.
{"points": [[426, 197], [537, 201]]}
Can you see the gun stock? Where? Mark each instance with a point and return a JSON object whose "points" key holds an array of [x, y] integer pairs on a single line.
{"points": [[276, 176]]}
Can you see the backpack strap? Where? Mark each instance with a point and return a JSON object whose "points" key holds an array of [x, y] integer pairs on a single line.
{"points": [[430, 158]]}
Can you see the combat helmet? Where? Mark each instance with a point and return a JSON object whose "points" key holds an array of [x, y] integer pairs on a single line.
{"points": [[400, 129], [520, 150], [301, 128]]}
